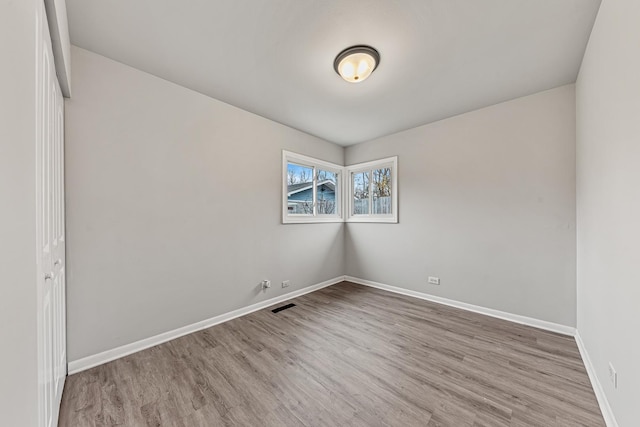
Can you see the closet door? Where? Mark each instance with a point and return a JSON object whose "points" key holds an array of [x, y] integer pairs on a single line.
{"points": [[50, 230], [58, 249]]}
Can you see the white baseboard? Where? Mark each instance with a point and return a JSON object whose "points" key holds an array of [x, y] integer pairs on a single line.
{"points": [[88, 362], [125, 350], [523, 320], [605, 408], [607, 413]]}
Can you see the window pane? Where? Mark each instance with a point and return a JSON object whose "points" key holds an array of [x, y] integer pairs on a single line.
{"points": [[299, 189], [326, 196], [381, 191], [360, 182]]}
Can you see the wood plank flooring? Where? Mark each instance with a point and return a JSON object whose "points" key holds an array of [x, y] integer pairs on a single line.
{"points": [[346, 355]]}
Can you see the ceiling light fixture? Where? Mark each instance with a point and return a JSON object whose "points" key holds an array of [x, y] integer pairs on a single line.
{"points": [[356, 63]]}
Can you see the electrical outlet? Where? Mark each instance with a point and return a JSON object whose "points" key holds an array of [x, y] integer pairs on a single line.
{"points": [[285, 283], [613, 376], [266, 284], [434, 280]]}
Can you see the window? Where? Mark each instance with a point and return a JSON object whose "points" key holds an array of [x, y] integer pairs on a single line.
{"points": [[373, 191], [311, 190], [315, 191]]}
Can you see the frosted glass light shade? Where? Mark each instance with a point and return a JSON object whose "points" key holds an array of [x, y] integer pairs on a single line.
{"points": [[356, 63]]}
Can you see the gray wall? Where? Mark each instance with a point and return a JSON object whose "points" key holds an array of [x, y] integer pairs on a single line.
{"points": [[608, 153], [173, 208], [18, 329], [486, 203]]}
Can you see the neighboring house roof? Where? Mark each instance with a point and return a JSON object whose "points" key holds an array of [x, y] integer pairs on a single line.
{"points": [[297, 188]]}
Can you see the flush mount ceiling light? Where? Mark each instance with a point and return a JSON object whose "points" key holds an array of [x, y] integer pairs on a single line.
{"points": [[356, 63]]}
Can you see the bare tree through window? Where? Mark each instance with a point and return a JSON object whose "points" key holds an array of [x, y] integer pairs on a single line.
{"points": [[381, 191]]}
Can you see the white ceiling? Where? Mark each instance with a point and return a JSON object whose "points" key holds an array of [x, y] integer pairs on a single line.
{"points": [[275, 58]]}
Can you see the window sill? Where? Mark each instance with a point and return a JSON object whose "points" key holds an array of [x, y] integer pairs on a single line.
{"points": [[368, 219], [314, 220]]}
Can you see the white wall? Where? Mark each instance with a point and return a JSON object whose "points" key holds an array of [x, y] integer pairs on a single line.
{"points": [[173, 208], [18, 354], [486, 203], [608, 209]]}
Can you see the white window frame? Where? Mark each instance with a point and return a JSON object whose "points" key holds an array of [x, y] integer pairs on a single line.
{"points": [[389, 162], [299, 159]]}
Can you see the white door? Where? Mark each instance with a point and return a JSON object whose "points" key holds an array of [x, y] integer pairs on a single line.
{"points": [[50, 230]]}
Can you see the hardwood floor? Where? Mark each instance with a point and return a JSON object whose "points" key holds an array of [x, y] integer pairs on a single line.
{"points": [[346, 355]]}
